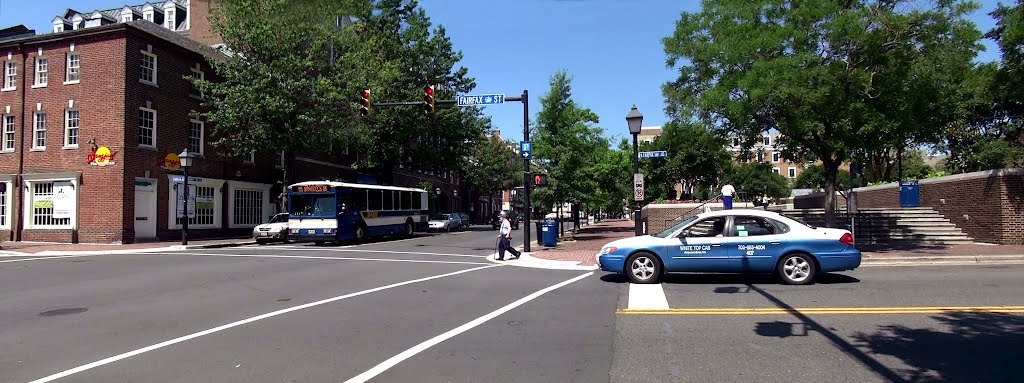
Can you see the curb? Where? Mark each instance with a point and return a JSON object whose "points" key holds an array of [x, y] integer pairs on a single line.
{"points": [[50, 253], [945, 260], [525, 260]]}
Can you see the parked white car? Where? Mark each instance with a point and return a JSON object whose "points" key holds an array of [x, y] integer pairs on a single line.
{"points": [[275, 230], [446, 222]]}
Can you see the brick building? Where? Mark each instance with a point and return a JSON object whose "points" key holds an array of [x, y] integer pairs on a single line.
{"points": [[94, 114], [766, 150]]}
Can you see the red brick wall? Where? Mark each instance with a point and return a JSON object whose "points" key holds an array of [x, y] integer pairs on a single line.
{"points": [[201, 28], [1013, 209]]}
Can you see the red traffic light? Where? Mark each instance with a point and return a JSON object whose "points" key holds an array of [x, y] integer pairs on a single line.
{"points": [[365, 93], [429, 89], [364, 102]]}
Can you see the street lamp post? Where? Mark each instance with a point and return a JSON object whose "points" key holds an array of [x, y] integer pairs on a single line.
{"points": [[437, 199], [633, 120], [455, 198], [185, 158]]}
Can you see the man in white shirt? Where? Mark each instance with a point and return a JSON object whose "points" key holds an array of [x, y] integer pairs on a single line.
{"points": [[504, 236], [727, 192]]}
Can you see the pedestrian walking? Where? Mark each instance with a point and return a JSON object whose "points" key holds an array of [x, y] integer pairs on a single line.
{"points": [[504, 238], [727, 192]]}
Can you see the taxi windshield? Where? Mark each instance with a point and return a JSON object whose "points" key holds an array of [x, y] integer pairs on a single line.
{"points": [[675, 228]]}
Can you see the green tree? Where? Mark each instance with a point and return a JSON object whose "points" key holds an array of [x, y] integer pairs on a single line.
{"points": [[493, 166], [833, 77], [813, 177], [696, 156], [613, 173], [292, 77], [567, 143], [756, 181]]}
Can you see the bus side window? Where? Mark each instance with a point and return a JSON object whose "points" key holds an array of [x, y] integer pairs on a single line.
{"points": [[388, 200], [406, 200], [344, 201], [417, 201], [359, 199]]}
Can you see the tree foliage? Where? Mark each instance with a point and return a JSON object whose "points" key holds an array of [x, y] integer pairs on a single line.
{"points": [[293, 75], [834, 77], [756, 181], [696, 156], [567, 143], [813, 177], [493, 166]]}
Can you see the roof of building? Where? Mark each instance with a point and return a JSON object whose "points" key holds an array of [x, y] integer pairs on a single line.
{"points": [[138, 25]]}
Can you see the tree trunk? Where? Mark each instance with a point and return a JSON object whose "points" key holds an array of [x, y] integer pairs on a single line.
{"points": [[831, 171]]}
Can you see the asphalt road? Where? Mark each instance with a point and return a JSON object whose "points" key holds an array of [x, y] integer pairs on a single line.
{"points": [[433, 309]]}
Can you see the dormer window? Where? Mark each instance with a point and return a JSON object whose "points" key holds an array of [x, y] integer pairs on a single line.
{"points": [[148, 16], [77, 22], [169, 19]]}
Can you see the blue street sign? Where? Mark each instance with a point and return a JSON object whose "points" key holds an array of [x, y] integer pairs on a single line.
{"points": [[525, 149], [660, 153], [483, 99]]}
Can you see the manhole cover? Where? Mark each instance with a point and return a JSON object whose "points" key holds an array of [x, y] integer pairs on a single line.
{"points": [[67, 311], [284, 299], [515, 323]]}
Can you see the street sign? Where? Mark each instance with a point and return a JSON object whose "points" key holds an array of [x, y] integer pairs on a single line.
{"points": [[525, 149], [180, 208], [483, 99], [638, 187], [659, 153]]}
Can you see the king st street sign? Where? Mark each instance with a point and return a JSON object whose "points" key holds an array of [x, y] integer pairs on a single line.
{"points": [[659, 153], [483, 99]]}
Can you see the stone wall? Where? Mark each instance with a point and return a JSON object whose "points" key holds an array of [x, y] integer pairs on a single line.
{"points": [[658, 217]]}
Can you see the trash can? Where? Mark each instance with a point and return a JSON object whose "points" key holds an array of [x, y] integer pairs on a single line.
{"points": [[549, 233], [909, 194]]}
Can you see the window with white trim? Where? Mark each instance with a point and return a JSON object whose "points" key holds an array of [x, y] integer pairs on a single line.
{"points": [[73, 66], [147, 68], [10, 75], [169, 19], [767, 140], [249, 157], [147, 127], [248, 207], [776, 170], [196, 129], [148, 16], [193, 90], [760, 156], [205, 206], [280, 160], [776, 156], [8, 138], [39, 130], [126, 17], [792, 172], [71, 128], [44, 201], [5, 206], [58, 28], [42, 68]]}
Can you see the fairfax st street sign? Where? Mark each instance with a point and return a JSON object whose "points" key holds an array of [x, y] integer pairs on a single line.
{"points": [[659, 153], [483, 99]]}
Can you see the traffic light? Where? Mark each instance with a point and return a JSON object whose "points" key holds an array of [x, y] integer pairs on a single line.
{"points": [[428, 99], [364, 102], [540, 179]]}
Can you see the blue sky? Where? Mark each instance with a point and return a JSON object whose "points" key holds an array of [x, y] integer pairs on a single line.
{"points": [[612, 48]]}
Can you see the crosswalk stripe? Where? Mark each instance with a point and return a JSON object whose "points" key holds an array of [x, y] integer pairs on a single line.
{"points": [[647, 297]]}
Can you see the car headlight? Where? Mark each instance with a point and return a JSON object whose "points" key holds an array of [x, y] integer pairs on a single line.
{"points": [[608, 250]]}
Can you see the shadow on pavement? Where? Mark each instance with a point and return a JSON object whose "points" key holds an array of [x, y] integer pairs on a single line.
{"points": [[979, 347]]}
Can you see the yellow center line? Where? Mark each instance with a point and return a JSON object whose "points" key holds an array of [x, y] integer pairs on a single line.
{"points": [[824, 310]]}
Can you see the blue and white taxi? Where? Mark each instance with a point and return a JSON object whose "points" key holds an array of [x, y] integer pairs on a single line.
{"points": [[734, 241]]}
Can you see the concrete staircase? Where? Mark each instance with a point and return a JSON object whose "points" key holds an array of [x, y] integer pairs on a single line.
{"points": [[890, 226]]}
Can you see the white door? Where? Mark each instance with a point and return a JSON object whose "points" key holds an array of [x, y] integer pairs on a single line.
{"points": [[145, 208]]}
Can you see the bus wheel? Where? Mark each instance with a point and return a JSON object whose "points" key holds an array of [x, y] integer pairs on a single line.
{"points": [[361, 233], [408, 229]]}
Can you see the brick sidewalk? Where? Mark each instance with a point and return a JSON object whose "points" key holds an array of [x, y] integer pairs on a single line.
{"points": [[589, 240], [586, 242], [36, 247]]}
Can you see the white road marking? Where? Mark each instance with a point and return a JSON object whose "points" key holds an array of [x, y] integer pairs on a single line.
{"points": [[391, 362], [375, 251], [48, 257], [130, 354], [336, 258], [647, 296]]}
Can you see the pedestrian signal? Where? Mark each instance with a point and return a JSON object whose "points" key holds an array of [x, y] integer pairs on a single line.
{"points": [[540, 179]]}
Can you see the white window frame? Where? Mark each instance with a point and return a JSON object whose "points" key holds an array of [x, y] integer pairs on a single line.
{"points": [[58, 28], [249, 158], [67, 128], [766, 140], [28, 211], [202, 136], [152, 82], [279, 162], [777, 171], [77, 69], [42, 75], [5, 130], [267, 209], [10, 75], [148, 15], [776, 157], [760, 156], [792, 172], [172, 204], [6, 199], [139, 132], [192, 86], [36, 131], [169, 18]]}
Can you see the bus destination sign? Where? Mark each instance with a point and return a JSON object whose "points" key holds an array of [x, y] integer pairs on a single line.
{"points": [[312, 189]]}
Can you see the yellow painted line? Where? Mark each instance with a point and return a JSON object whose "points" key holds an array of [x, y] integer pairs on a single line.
{"points": [[824, 310]]}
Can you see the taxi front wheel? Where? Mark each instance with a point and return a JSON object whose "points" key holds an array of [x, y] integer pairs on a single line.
{"points": [[796, 269], [643, 268]]}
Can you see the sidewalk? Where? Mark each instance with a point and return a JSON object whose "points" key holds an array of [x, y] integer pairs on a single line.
{"points": [[589, 240], [47, 248]]}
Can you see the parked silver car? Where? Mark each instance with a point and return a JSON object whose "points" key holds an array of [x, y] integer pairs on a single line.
{"points": [[275, 230], [445, 221]]}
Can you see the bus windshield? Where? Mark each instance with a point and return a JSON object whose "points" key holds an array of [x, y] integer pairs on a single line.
{"points": [[313, 205]]}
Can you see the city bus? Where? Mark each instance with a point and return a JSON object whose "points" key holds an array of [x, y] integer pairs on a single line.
{"points": [[326, 211]]}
